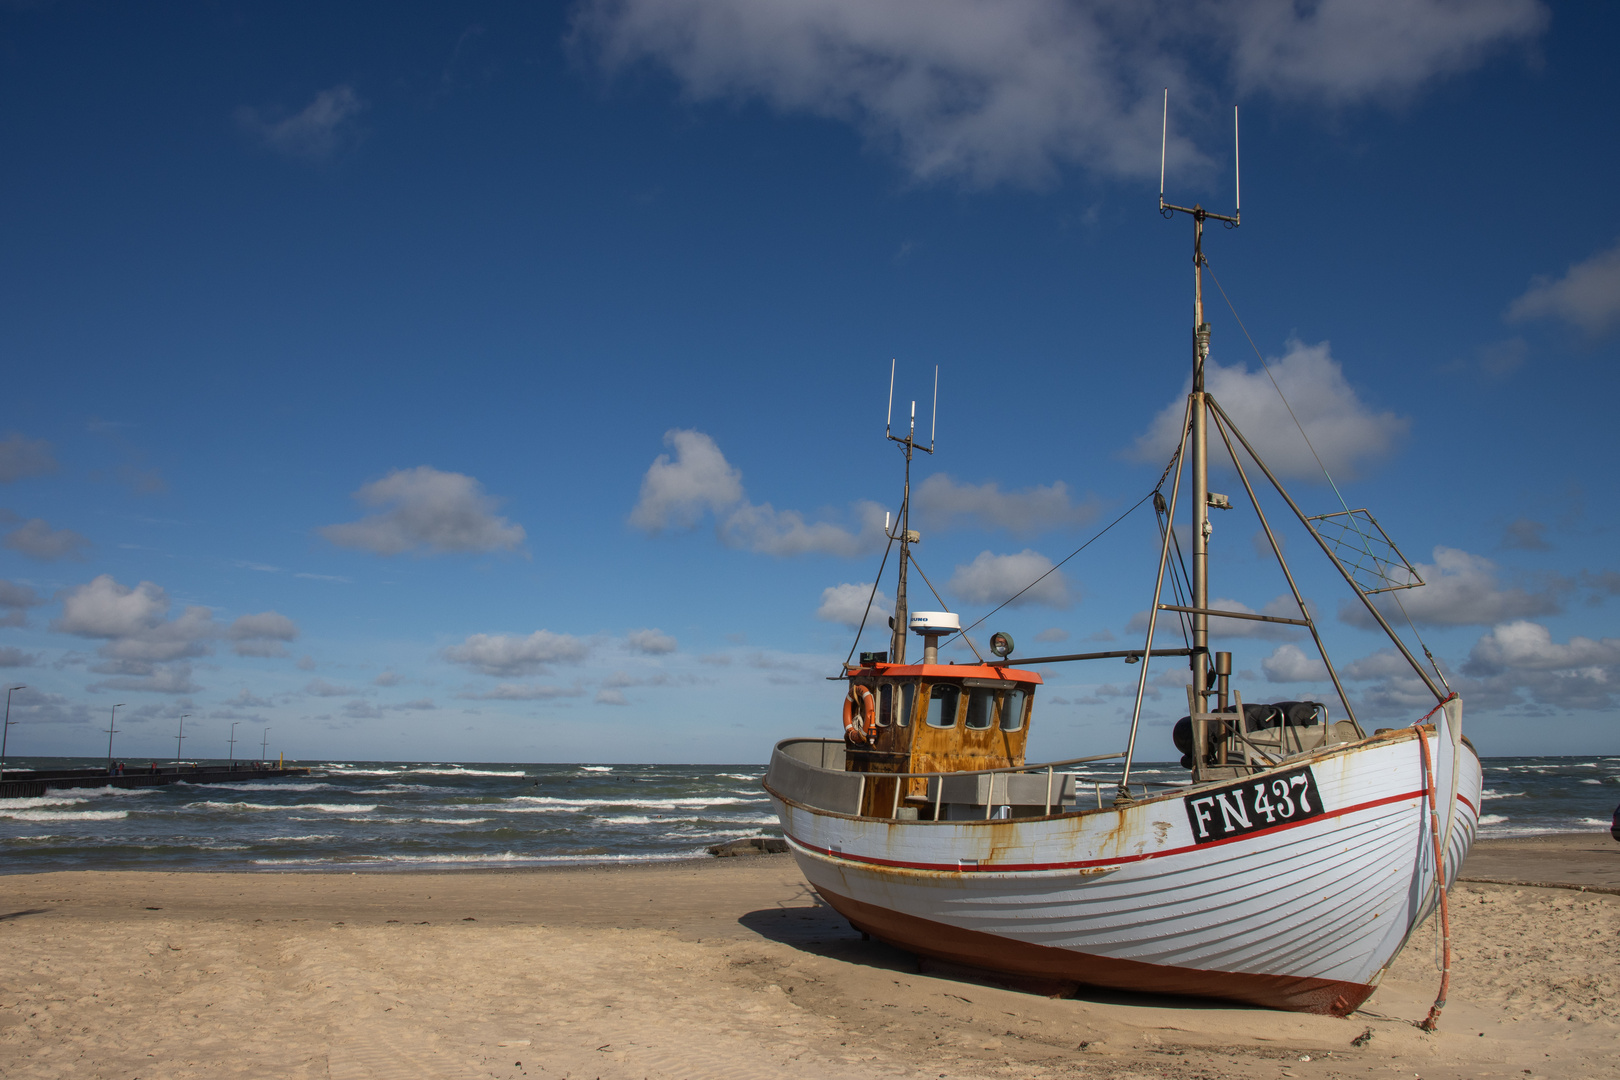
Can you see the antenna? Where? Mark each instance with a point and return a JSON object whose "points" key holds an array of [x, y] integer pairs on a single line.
{"points": [[1237, 171], [914, 418], [933, 424], [1164, 137], [889, 419]]}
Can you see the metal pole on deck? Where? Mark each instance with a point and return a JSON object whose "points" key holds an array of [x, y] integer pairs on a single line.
{"points": [[233, 743]]}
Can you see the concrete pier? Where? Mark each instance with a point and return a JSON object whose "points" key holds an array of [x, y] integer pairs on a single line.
{"points": [[23, 784]]}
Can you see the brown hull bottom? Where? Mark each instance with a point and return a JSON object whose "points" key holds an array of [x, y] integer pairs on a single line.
{"points": [[980, 950]]}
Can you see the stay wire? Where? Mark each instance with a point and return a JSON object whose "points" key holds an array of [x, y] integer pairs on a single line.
{"points": [[1133, 507], [947, 607], [872, 596], [1349, 516]]}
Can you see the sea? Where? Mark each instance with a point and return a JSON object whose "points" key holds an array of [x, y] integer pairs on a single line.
{"points": [[348, 816]]}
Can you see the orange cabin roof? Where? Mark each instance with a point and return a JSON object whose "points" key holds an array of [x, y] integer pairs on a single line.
{"points": [[949, 671]]}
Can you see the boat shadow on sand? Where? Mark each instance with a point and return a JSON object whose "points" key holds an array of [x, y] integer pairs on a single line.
{"points": [[812, 926]]}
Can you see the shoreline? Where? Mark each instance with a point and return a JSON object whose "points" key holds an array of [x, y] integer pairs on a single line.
{"points": [[717, 968]]}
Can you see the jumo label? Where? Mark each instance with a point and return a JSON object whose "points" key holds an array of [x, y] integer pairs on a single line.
{"points": [[1257, 803]]}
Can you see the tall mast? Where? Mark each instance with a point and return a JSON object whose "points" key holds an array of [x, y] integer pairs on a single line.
{"points": [[1198, 408], [909, 444]]}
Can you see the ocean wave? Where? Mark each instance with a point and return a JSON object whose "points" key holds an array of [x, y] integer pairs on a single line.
{"points": [[262, 786], [639, 804], [325, 808], [41, 800], [1491, 819], [305, 838], [1593, 823], [596, 768], [63, 815], [453, 820], [742, 776], [1489, 794], [464, 772], [1591, 781]]}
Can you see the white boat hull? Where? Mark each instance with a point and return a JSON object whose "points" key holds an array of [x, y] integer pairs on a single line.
{"points": [[1301, 912]]}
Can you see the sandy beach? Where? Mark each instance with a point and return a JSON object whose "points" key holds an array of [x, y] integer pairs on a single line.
{"points": [[727, 968]]}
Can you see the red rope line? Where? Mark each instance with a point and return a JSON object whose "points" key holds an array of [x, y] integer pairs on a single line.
{"points": [[1432, 1021]]}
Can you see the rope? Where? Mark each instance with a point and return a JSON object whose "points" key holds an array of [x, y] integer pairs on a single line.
{"points": [[1432, 1021], [869, 600], [946, 606], [1066, 558], [1349, 516]]}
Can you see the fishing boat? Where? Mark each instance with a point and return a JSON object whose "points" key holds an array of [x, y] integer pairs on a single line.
{"points": [[1287, 870]]}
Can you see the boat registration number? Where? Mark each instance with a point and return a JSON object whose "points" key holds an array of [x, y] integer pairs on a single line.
{"points": [[1255, 804]]}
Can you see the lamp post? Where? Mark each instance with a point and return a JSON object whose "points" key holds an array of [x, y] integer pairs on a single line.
{"points": [[6, 731], [112, 729], [264, 742], [233, 743], [179, 736]]}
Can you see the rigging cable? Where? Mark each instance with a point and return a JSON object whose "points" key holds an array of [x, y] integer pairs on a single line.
{"points": [[869, 600], [1349, 516], [1173, 459], [947, 607]]}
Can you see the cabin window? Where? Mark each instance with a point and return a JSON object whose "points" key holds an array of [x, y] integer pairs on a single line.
{"points": [[980, 708], [907, 699], [885, 704], [1012, 710], [942, 699]]}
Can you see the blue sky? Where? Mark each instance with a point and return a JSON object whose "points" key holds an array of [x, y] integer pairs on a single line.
{"points": [[506, 382]]}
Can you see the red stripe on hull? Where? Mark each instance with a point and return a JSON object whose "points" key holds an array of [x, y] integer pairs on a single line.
{"points": [[976, 949]]}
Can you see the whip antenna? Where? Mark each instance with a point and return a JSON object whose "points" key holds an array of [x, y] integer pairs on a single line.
{"points": [[933, 424], [888, 420], [1164, 136], [1237, 170]]}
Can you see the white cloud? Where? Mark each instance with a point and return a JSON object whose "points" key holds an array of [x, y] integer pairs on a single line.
{"points": [[940, 502], [36, 539], [676, 493], [322, 688], [1014, 90], [509, 654], [133, 622], [651, 642], [1519, 661], [22, 457], [262, 634], [1289, 663], [322, 128], [769, 531], [388, 678], [523, 692], [432, 512], [991, 579], [611, 697], [1587, 296], [846, 604], [1528, 645], [13, 657], [1345, 431], [1459, 589], [306, 663]]}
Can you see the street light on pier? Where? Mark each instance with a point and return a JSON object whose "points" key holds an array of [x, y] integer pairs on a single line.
{"points": [[179, 736], [233, 743], [112, 729], [264, 742], [4, 732]]}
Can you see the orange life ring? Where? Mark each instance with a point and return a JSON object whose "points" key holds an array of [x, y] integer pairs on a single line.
{"points": [[860, 716]]}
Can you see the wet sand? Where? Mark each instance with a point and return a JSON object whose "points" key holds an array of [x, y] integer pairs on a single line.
{"points": [[727, 968]]}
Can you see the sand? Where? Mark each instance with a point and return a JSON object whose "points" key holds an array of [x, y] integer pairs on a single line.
{"points": [[725, 968]]}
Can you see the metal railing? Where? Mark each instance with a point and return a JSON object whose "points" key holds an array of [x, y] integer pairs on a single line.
{"points": [[1049, 767]]}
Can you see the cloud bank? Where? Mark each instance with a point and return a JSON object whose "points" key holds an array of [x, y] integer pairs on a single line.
{"points": [[1587, 297], [431, 512], [1013, 91]]}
